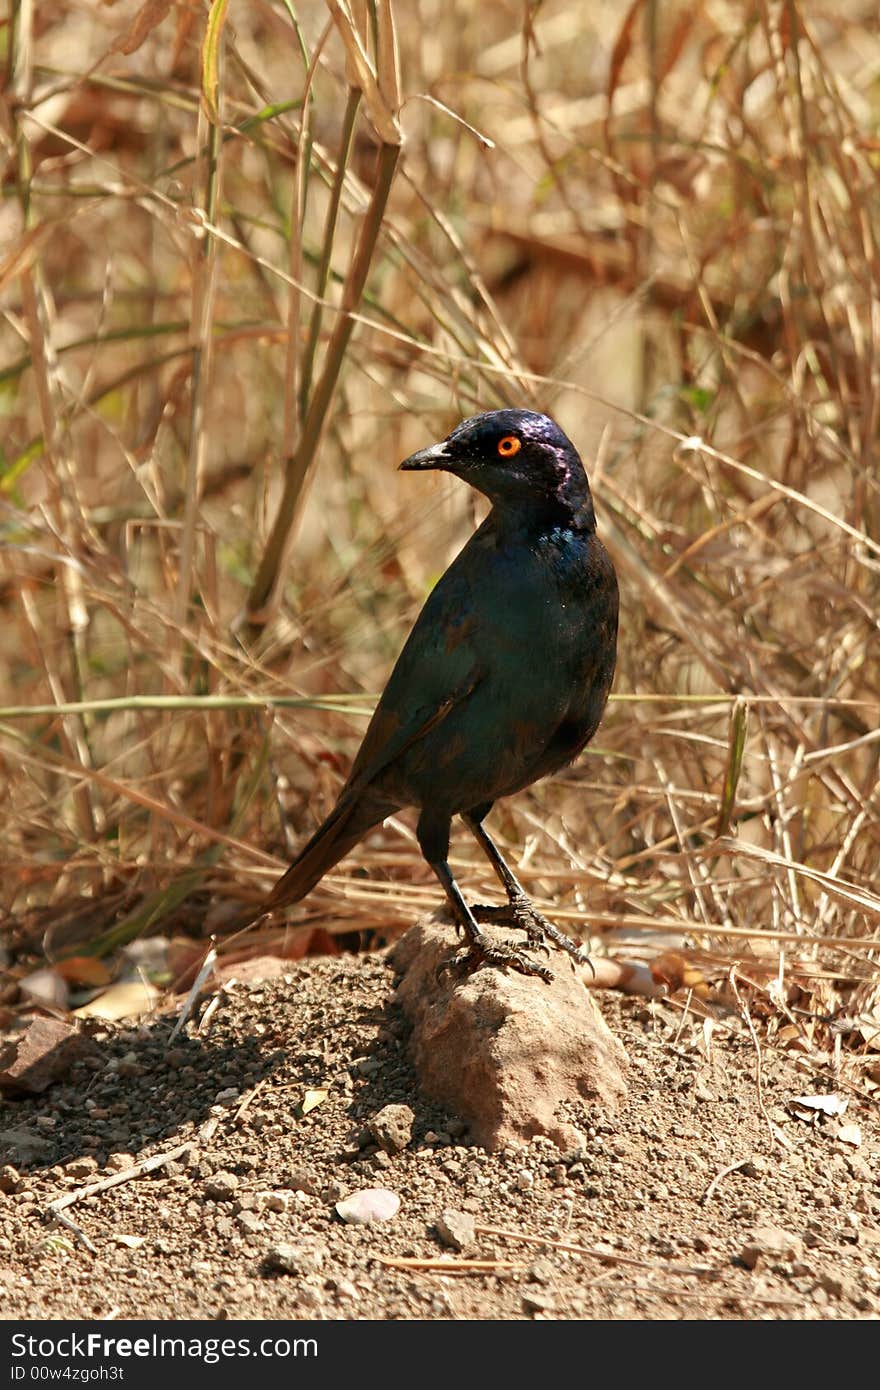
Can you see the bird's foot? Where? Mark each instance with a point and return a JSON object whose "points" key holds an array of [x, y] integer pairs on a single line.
{"points": [[521, 914], [530, 921], [482, 951]]}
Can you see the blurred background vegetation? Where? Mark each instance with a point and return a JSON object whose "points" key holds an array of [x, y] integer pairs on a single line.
{"points": [[253, 254]]}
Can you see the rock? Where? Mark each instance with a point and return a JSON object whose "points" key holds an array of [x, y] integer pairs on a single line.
{"points": [[537, 1302], [249, 1222], [129, 1065], [302, 1180], [505, 1051], [273, 1201], [770, 1245], [754, 1168], [368, 1205], [42, 1053], [835, 1284], [859, 1168], [118, 1162], [457, 1229], [308, 1296], [10, 1179], [221, 1187], [295, 1259], [84, 1167], [391, 1128]]}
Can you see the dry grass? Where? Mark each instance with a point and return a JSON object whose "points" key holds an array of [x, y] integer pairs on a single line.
{"points": [[659, 226]]}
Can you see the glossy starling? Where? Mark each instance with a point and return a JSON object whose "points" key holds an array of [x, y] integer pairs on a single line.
{"points": [[502, 680]]}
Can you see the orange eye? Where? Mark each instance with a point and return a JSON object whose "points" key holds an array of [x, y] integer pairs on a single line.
{"points": [[508, 446]]}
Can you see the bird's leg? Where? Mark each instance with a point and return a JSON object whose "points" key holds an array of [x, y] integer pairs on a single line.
{"points": [[434, 843], [481, 950], [521, 913]]}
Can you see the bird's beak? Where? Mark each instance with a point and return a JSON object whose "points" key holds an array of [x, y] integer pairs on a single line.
{"points": [[435, 456]]}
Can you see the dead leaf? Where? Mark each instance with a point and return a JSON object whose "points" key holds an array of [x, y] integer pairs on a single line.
{"points": [[829, 1105], [850, 1134], [148, 18], [130, 1242], [312, 1099], [83, 970], [121, 1000], [869, 1027]]}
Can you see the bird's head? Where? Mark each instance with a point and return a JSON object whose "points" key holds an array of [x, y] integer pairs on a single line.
{"points": [[515, 458]]}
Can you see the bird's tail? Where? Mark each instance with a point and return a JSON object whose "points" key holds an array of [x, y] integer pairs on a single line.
{"points": [[347, 823]]}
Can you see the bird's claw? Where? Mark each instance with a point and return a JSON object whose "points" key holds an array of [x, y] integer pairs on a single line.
{"points": [[483, 952], [508, 917], [521, 914]]}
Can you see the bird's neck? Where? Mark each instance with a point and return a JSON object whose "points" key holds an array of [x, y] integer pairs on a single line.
{"points": [[518, 519]]}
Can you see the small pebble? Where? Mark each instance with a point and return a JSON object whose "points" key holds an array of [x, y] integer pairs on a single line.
{"points": [[834, 1284], [273, 1201], [456, 1229], [391, 1127], [10, 1179], [83, 1167], [537, 1302], [309, 1297], [301, 1180], [368, 1205], [754, 1168], [221, 1187], [288, 1258], [249, 1222], [771, 1245], [118, 1162]]}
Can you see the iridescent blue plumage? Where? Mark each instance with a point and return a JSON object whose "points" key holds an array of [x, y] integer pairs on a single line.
{"points": [[504, 676]]}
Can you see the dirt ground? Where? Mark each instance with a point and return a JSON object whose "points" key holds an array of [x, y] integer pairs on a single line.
{"points": [[702, 1198]]}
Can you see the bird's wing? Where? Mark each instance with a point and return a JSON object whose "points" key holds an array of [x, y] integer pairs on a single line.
{"points": [[389, 735], [438, 668]]}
